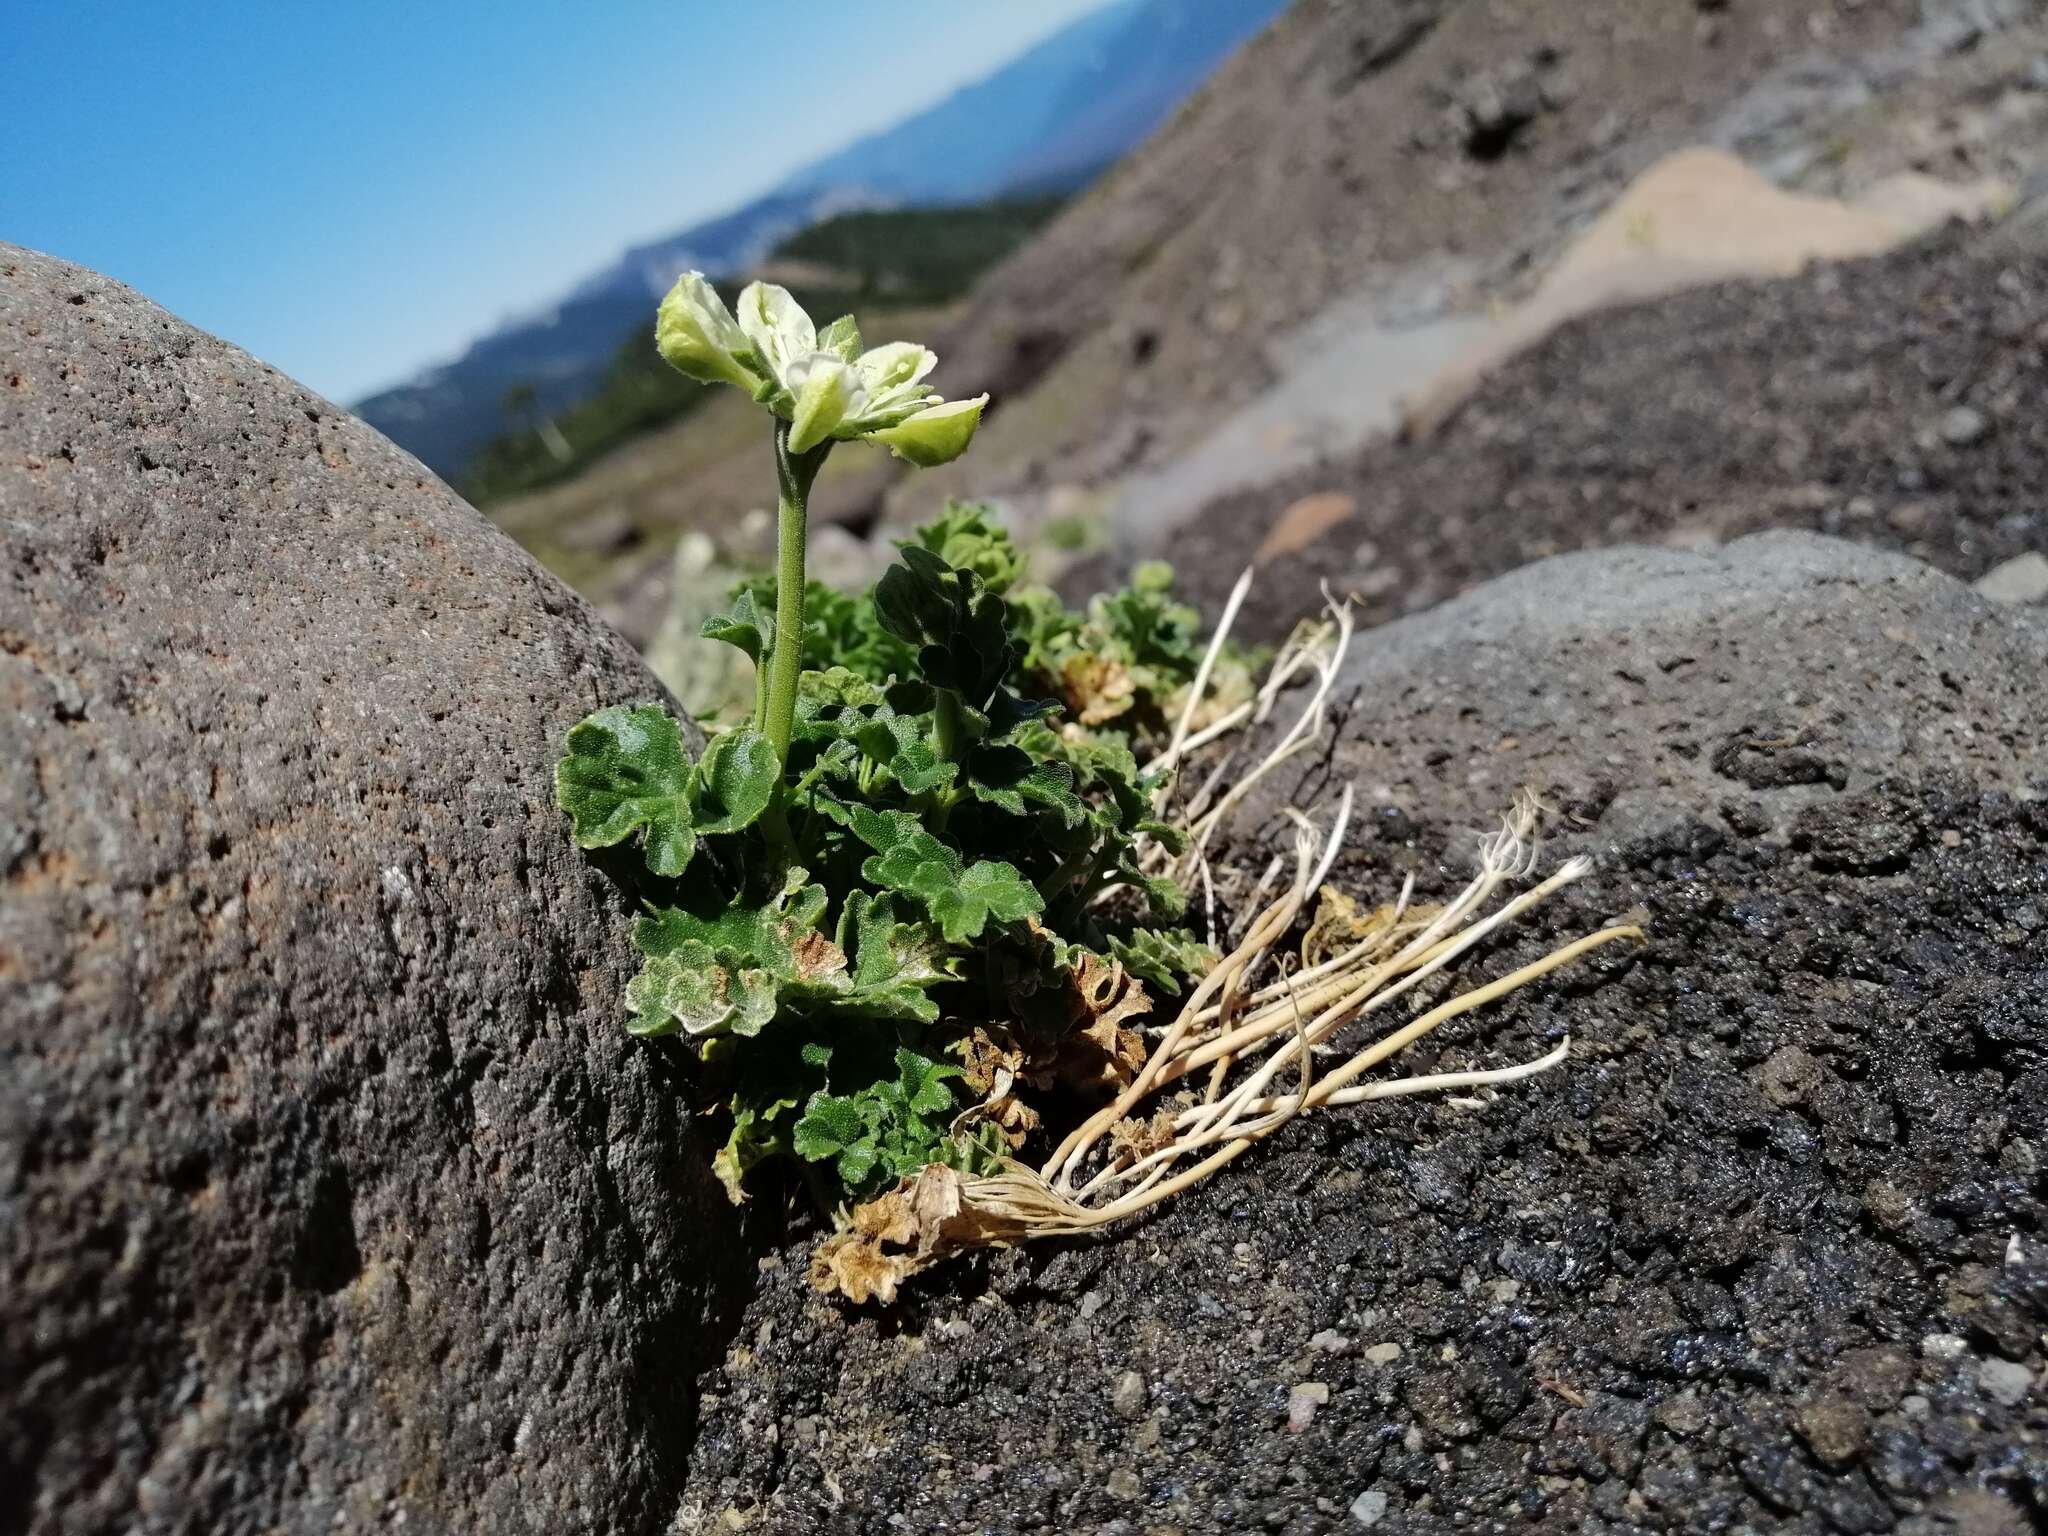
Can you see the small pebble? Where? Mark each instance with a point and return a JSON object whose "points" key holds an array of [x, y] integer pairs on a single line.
{"points": [[1942, 1346], [1914, 1406], [1302, 1402], [1835, 1429], [1148, 1434], [1329, 1342], [1683, 1414], [1965, 425], [1370, 1507], [2005, 1382], [1091, 1304], [1122, 1484], [1129, 1397], [1384, 1354]]}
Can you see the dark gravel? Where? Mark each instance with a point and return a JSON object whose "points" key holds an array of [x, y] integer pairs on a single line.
{"points": [[1897, 402]]}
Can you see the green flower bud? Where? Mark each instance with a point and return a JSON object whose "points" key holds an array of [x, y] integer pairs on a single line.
{"points": [[936, 435], [697, 334]]}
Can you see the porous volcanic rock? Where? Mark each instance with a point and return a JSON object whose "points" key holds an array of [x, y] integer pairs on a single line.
{"points": [[1768, 1252], [332, 1194]]}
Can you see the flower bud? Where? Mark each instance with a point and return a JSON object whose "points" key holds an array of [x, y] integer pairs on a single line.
{"points": [[697, 334], [937, 434]]}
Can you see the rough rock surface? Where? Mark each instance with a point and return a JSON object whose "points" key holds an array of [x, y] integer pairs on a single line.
{"points": [[332, 1194], [1769, 1252]]}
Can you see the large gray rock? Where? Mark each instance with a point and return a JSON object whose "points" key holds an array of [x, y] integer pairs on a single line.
{"points": [[332, 1194], [1763, 677]]}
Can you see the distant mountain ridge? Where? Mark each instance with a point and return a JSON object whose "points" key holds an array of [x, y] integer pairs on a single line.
{"points": [[1045, 123]]}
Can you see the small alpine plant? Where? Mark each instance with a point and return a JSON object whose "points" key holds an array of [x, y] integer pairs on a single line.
{"points": [[904, 888]]}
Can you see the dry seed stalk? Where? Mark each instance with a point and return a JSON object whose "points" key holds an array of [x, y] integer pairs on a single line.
{"points": [[1247, 1019]]}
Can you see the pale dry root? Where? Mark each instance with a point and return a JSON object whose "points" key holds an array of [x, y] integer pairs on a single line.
{"points": [[1253, 1046]]}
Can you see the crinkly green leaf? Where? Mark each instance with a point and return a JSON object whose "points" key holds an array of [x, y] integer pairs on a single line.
{"points": [[923, 1082], [772, 936], [967, 537], [961, 900], [625, 771], [1007, 777], [735, 782], [746, 624], [988, 888], [834, 1129], [895, 962], [701, 991], [956, 623], [902, 744], [1164, 958], [892, 1127]]}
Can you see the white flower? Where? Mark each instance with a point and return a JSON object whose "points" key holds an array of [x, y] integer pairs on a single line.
{"points": [[822, 384]]}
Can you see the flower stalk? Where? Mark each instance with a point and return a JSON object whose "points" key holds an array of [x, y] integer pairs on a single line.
{"points": [[783, 666]]}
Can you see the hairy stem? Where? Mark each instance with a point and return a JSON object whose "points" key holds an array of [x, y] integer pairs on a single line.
{"points": [[794, 473]]}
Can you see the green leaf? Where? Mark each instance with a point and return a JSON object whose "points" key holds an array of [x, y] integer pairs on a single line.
{"points": [[987, 889], [961, 900], [735, 782], [842, 1130], [828, 1126], [957, 624], [1006, 777], [766, 936], [924, 1082], [745, 625], [967, 537], [1165, 959], [625, 771], [894, 964], [700, 991], [902, 744]]}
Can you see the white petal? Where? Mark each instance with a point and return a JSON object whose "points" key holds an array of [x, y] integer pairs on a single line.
{"points": [[777, 325]]}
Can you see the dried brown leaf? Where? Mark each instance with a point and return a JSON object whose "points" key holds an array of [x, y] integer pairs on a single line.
{"points": [[1098, 689], [1131, 1139]]}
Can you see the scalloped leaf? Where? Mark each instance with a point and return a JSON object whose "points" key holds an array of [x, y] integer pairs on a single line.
{"points": [[902, 744], [735, 783], [625, 771], [1008, 778], [960, 900], [958, 625], [700, 991], [894, 961], [770, 936]]}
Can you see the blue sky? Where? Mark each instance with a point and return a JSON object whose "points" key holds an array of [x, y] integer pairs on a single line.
{"points": [[356, 188]]}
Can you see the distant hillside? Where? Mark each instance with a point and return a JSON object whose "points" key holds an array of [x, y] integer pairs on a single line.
{"points": [[1044, 125], [1350, 149], [861, 261]]}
